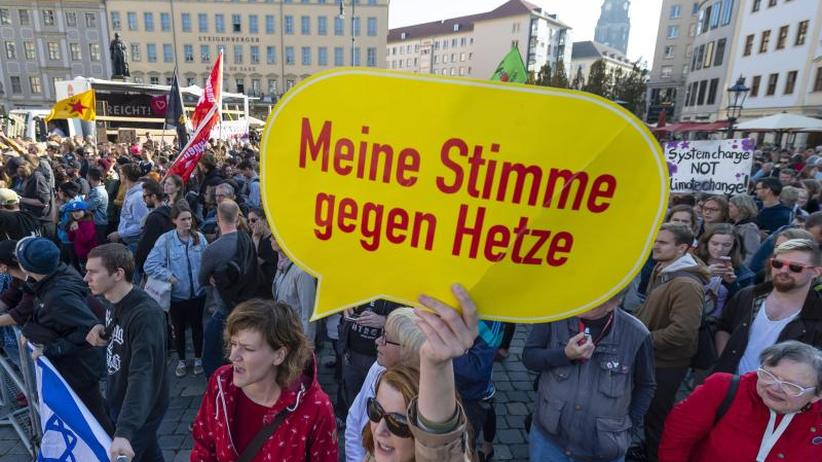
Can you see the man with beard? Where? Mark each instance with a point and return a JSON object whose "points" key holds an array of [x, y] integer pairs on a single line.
{"points": [[785, 308]]}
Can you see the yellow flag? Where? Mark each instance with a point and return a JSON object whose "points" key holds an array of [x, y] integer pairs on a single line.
{"points": [[79, 106]]}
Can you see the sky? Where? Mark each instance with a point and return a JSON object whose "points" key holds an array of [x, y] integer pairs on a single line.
{"points": [[581, 15]]}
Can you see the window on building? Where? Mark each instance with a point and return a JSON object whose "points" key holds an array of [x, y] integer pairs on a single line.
{"points": [[35, 84], [322, 56], [462, 57], [71, 19], [54, 50], [289, 84], [756, 5], [169, 80], [271, 55], [709, 55], [202, 22], [676, 11], [48, 17], [236, 23], [165, 22], [338, 56], [5, 17], [255, 54], [356, 57], [255, 86], [238, 54], [188, 53], [771, 3], [253, 24], [239, 84], [74, 52], [371, 57], [782, 37], [148, 21], [699, 57], [289, 24], [755, 82], [669, 51], [339, 26], [269, 24], [727, 11], [28, 48], [151, 52], [136, 52], [712, 87], [704, 20], [154, 80], [749, 41], [720, 52], [684, 70], [289, 55], [817, 82], [272, 86], [372, 27], [801, 33], [16, 88], [91, 20], [219, 23], [11, 50], [186, 20], [305, 25], [715, 15], [355, 26], [168, 53], [667, 72], [94, 51], [305, 54], [190, 81], [673, 32], [764, 41], [790, 82], [700, 99], [772, 81], [115, 20], [205, 53], [131, 18]]}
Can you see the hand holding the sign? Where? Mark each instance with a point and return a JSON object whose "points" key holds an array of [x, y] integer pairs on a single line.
{"points": [[120, 447], [371, 319], [579, 347]]}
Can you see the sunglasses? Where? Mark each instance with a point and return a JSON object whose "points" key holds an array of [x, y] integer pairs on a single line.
{"points": [[397, 423], [794, 267]]}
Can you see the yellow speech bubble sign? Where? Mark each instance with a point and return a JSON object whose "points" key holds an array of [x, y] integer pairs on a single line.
{"points": [[542, 202]]}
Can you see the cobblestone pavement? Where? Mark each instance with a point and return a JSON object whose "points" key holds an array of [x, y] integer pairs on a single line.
{"points": [[514, 400]]}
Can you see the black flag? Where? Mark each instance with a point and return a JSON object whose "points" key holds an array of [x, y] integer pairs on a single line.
{"points": [[175, 112]]}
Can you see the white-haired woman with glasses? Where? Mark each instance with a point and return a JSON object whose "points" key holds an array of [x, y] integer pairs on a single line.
{"points": [[772, 414]]}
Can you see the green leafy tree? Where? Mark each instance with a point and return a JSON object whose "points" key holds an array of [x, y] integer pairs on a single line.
{"points": [[598, 79], [579, 80], [631, 88], [544, 76], [560, 79]]}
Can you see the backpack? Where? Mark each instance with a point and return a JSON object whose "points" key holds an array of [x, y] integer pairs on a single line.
{"points": [[236, 280], [706, 355]]}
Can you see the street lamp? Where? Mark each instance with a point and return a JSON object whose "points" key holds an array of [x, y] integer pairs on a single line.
{"points": [[353, 19], [736, 100]]}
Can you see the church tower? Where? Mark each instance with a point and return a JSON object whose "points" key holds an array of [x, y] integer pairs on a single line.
{"points": [[614, 25]]}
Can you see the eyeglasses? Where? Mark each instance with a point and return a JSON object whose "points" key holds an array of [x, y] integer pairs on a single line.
{"points": [[397, 423], [790, 389], [386, 341], [794, 267]]}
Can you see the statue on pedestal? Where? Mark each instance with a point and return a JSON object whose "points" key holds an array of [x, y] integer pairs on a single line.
{"points": [[119, 64]]}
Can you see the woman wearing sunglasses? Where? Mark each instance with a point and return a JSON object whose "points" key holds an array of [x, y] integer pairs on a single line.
{"points": [[773, 414], [416, 416]]}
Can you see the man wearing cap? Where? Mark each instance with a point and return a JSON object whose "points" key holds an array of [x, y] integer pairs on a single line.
{"points": [[36, 195], [61, 321], [73, 172], [15, 223]]}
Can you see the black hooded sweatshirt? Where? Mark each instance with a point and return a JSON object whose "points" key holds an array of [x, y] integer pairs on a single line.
{"points": [[136, 356]]}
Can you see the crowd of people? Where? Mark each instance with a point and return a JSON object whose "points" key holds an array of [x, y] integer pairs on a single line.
{"points": [[108, 262]]}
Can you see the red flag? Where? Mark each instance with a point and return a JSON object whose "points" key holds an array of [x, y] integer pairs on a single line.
{"points": [[196, 146], [212, 93]]}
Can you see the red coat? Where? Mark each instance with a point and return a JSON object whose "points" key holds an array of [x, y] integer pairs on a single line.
{"points": [[311, 428], [690, 434], [84, 238]]}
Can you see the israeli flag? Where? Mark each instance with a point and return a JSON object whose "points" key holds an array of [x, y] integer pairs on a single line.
{"points": [[70, 432]]}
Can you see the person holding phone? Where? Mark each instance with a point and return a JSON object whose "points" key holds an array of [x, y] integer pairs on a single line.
{"points": [[721, 249]]}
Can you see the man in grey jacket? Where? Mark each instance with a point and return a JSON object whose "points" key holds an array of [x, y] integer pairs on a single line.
{"points": [[595, 385]]}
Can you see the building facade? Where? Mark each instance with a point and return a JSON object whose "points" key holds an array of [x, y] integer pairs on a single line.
{"points": [[614, 25], [268, 45], [48, 41], [672, 59], [708, 78], [586, 53], [472, 46], [785, 36]]}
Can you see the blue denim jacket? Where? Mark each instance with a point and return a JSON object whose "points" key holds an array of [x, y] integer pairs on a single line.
{"points": [[183, 263], [97, 203]]}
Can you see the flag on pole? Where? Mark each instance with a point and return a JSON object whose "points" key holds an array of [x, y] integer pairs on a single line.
{"points": [[176, 113], [70, 431], [80, 106], [206, 115], [511, 68]]}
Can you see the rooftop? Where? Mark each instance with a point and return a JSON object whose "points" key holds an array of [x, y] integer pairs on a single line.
{"points": [[590, 49]]}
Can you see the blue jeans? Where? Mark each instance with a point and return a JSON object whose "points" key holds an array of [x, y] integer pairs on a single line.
{"points": [[540, 447], [213, 351]]}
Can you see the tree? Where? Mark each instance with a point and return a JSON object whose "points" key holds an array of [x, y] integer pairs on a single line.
{"points": [[560, 79], [544, 76], [579, 80], [597, 79], [631, 88]]}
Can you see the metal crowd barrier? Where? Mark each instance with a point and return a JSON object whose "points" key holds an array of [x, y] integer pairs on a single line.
{"points": [[16, 380]]}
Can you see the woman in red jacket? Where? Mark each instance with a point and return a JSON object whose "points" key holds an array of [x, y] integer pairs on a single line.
{"points": [[775, 414], [271, 384]]}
